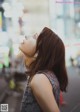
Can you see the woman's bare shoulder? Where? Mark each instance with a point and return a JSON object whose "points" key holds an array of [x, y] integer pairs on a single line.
{"points": [[40, 80]]}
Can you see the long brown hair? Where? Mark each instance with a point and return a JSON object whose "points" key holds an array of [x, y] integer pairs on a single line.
{"points": [[50, 52]]}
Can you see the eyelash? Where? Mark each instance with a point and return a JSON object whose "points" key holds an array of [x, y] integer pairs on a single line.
{"points": [[26, 37]]}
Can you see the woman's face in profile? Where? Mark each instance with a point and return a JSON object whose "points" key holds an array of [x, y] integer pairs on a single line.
{"points": [[28, 46]]}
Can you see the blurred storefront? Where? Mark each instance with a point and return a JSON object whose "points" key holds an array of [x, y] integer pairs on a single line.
{"points": [[21, 17], [64, 19], [77, 18]]}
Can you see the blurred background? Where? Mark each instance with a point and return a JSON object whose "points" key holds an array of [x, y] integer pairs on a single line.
{"points": [[28, 17]]}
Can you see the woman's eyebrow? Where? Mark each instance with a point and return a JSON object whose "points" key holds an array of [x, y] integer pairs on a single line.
{"points": [[26, 37], [35, 36]]}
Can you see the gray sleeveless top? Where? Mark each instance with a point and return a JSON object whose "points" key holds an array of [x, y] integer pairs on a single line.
{"points": [[29, 103]]}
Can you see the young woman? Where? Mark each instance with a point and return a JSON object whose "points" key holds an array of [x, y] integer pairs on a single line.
{"points": [[46, 70]]}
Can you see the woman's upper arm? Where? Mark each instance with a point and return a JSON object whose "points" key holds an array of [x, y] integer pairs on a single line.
{"points": [[42, 90]]}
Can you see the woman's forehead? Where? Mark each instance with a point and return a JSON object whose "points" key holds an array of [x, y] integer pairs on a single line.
{"points": [[35, 36]]}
